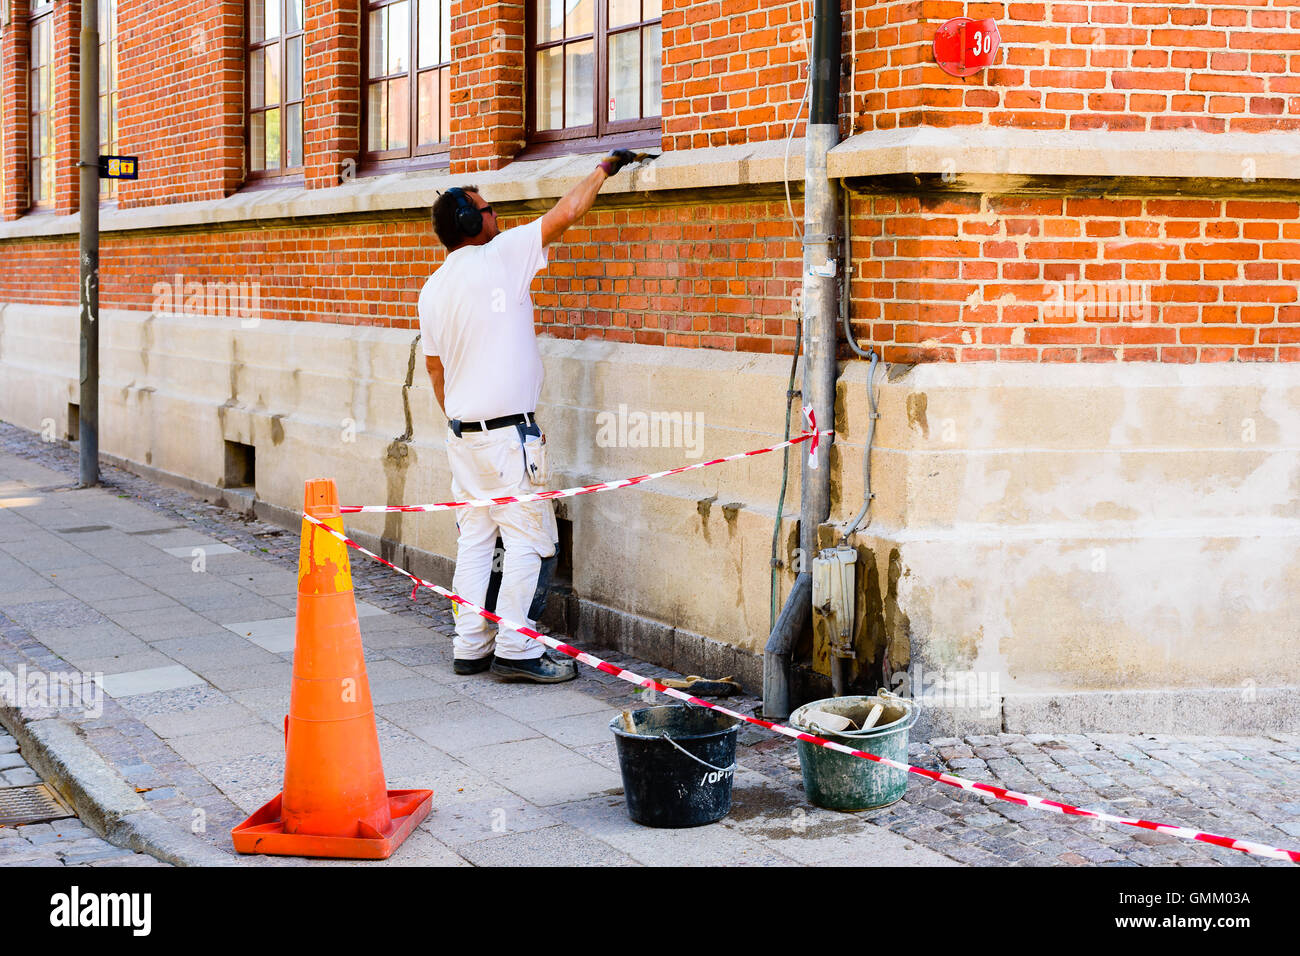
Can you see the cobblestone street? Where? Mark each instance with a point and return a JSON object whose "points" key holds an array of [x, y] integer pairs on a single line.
{"points": [[67, 842], [197, 670]]}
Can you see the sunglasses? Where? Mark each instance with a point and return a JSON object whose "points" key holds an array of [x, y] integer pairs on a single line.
{"points": [[486, 209]]}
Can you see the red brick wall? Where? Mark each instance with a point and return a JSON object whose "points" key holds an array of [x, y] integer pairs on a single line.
{"points": [[67, 105], [715, 276], [487, 83], [690, 276], [958, 278], [360, 274], [15, 119], [961, 278], [181, 99], [734, 71], [331, 89], [40, 272], [1088, 65], [888, 49], [966, 278]]}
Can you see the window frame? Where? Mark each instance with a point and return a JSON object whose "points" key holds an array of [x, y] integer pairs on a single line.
{"points": [[108, 188], [601, 130], [414, 156], [40, 10], [282, 173]]}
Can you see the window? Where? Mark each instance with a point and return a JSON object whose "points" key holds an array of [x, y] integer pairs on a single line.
{"points": [[596, 67], [408, 78], [108, 90], [41, 99], [275, 62]]}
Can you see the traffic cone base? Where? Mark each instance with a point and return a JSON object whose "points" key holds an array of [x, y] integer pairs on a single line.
{"points": [[263, 832]]}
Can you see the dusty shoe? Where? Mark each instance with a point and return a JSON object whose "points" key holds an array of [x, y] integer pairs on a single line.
{"points": [[540, 670], [478, 666]]}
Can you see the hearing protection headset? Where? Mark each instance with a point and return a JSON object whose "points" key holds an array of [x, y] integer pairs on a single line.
{"points": [[468, 218]]}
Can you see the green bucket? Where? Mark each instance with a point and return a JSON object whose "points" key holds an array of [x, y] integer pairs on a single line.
{"points": [[837, 781]]}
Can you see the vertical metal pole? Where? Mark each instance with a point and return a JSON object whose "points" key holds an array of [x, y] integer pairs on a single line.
{"points": [[821, 255], [821, 263], [88, 295]]}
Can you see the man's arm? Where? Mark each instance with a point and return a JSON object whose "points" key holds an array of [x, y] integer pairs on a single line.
{"points": [[433, 364], [572, 206], [575, 203]]}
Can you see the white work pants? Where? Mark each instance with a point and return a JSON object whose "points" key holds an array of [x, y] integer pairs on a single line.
{"points": [[492, 464]]}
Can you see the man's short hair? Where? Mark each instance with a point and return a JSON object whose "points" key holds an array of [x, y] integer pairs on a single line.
{"points": [[444, 218]]}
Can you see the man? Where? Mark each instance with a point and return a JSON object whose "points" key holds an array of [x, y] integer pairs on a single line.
{"points": [[480, 346]]}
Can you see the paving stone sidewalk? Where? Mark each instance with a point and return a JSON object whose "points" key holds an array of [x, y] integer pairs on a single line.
{"points": [[67, 842], [187, 611]]}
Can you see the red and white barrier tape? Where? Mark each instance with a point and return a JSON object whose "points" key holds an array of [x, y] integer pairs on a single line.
{"points": [[812, 433], [1025, 800], [810, 416]]}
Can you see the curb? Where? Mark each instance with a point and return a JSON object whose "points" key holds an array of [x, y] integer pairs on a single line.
{"points": [[101, 796]]}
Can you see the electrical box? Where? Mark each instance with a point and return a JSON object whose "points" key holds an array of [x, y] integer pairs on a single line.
{"points": [[834, 584]]}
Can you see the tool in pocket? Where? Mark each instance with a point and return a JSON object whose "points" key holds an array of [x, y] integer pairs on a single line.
{"points": [[534, 445]]}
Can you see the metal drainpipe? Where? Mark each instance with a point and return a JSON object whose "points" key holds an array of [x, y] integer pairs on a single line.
{"points": [[88, 296], [821, 263]]}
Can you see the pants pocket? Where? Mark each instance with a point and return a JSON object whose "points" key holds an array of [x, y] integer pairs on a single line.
{"points": [[535, 466], [485, 468], [497, 464]]}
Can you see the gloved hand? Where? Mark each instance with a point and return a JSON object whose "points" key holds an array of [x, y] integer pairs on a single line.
{"points": [[616, 160]]}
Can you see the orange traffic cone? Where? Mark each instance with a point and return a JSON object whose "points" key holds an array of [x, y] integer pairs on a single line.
{"points": [[334, 803]]}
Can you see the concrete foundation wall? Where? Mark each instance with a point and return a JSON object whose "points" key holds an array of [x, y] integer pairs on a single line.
{"points": [[318, 400], [1054, 532]]}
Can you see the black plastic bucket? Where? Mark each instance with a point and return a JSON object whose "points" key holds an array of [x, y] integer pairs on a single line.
{"points": [[677, 763]]}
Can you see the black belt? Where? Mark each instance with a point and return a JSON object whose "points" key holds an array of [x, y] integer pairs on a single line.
{"points": [[458, 426]]}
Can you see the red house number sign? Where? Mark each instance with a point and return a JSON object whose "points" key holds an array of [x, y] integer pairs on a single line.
{"points": [[964, 46]]}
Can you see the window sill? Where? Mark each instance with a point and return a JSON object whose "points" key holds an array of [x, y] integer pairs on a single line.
{"points": [[639, 139], [1001, 153], [293, 180], [386, 167], [525, 180]]}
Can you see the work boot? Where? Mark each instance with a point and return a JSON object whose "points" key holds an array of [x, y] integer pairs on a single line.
{"points": [[539, 670], [467, 666]]}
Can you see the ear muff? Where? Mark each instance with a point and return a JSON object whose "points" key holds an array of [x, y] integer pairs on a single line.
{"points": [[468, 219]]}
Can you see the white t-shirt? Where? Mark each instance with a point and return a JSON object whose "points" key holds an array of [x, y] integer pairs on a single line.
{"points": [[476, 314]]}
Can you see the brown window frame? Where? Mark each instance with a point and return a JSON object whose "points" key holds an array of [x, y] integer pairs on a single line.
{"points": [[41, 14], [615, 133], [413, 156], [283, 172]]}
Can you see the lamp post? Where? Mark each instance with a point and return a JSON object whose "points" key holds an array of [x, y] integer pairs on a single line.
{"points": [[88, 293]]}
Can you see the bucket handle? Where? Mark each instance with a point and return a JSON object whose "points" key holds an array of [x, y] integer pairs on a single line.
{"points": [[665, 736]]}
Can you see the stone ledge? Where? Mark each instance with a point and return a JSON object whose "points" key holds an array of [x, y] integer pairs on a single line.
{"points": [[978, 150], [519, 182], [1243, 711], [967, 151]]}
